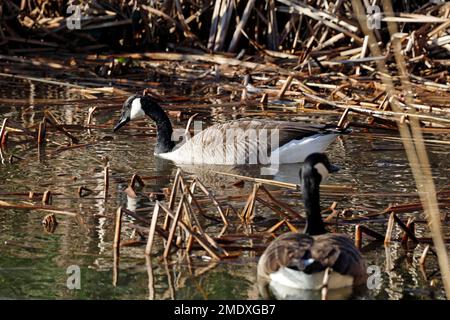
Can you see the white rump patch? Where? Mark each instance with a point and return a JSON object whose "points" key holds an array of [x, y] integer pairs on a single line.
{"points": [[136, 111], [296, 151], [299, 280], [322, 170]]}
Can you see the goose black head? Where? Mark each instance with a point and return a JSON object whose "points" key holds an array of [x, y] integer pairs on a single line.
{"points": [[136, 107], [318, 167]]}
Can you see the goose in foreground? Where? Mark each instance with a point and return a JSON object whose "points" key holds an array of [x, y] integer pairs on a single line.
{"points": [[298, 261], [232, 142]]}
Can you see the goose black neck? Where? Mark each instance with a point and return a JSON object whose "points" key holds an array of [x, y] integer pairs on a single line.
{"points": [[164, 129], [311, 198]]}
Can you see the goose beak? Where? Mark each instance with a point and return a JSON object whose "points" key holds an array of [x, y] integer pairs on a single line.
{"points": [[121, 123], [334, 168]]}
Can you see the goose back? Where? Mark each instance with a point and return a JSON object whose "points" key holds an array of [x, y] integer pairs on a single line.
{"points": [[252, 142], [305, 255]]}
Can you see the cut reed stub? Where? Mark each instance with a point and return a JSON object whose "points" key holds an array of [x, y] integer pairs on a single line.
{"points": [[105, 182], [49, 222], [41, 132], [410, 225], [358, 236], [47, 197]]}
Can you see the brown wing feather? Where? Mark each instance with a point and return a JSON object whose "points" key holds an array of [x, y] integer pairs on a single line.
{"points": [[328, 250]]}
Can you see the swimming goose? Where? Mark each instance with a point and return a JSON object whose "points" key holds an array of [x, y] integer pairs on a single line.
{"points": [[232, 142], [298, 261]]}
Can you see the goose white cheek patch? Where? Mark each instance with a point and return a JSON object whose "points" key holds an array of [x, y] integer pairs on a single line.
{"points": [[136, 111], [322, 170]]}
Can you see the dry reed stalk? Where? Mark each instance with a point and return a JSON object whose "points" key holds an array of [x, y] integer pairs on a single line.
{"points": [[173, 195], [47, 197], [173, 227], [213, 199], [343, 118], [248, 212], [240, 27], [41, 133], [410, 225], [326, 279], [225, 16], [285, 86], [117, 229], [281, 204], [423, 257], [116, 260], [188, 125], [412, 139], [358, 236], [151, 230], [203, 242], [291, 226], [51, 119], [190, 211], [3, 129], [273, 208], [276, 226], [389, 229]]}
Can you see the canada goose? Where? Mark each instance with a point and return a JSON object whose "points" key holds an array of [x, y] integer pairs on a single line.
{"points": [[298, 261], [232, 142]]}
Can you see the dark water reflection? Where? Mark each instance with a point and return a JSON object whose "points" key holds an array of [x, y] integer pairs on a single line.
{"points": [[33, 263]]}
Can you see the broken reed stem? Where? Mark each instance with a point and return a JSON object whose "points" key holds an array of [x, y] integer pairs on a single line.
{"points": [[151, 230], [117, 229]]}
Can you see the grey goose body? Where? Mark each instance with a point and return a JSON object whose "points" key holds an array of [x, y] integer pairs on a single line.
{"points": [[233, 142]]}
